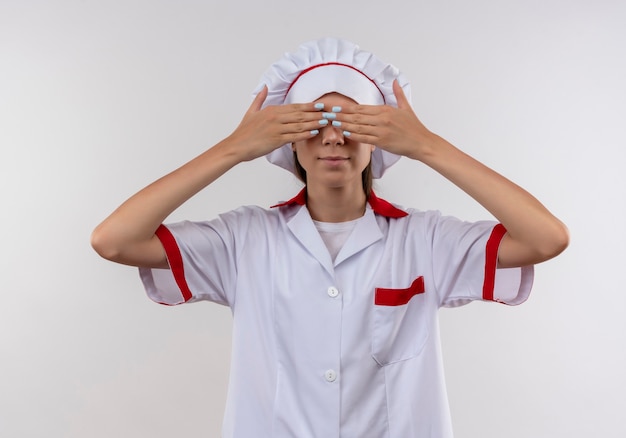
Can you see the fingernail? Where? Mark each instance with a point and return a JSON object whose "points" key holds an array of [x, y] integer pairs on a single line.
{"points": [[329, 115], [314, 132], [323, 122], [319, 106], [346, 133], [336, 109], [336, 123]]}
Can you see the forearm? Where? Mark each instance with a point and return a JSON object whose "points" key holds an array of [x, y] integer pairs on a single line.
{"points": [[127, 235], [534, 234]]}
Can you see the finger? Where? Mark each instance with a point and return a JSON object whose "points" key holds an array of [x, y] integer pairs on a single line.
{"points": [[257, 103], [359, 131], [294, 137], [403, 102], [296, 108], [359, 120], [303, 127], [300, 114], [357, 109], [361, 138]]}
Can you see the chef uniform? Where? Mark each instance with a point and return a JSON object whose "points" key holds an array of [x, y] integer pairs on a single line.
{"points": [[345, 345]]}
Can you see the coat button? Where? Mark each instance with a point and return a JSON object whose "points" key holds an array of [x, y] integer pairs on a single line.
{"points": [[333, 292], [330, 375]]}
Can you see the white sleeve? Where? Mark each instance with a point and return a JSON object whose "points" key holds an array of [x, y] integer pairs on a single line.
{"points": [[465, 259], [203, 261]]}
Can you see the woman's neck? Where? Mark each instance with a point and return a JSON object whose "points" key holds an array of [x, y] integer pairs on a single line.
{"points": [[335, 204]]}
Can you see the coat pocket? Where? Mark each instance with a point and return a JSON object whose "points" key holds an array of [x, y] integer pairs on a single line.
{"points": [[401, 323], [399, 297]]}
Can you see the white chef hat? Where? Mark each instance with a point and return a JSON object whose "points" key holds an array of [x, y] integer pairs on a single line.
{"points": [[331, 65]]}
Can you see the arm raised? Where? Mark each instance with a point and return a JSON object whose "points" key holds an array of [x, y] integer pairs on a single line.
{"points": [[533, 233], [128, 235]]}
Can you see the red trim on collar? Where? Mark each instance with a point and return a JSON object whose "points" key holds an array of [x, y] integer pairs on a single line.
{"points": [[299, 199], [384, 208], [380, 206]]}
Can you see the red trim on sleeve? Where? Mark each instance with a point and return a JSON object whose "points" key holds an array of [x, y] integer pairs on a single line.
{"points": [[398, 297], [174, 259], [491, 260]]}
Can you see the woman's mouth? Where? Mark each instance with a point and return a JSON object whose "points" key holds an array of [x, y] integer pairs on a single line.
{"points": [[333, 159]]}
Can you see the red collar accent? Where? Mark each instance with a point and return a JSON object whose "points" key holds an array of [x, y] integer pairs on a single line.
{"points": [[299, 199], [380, 206], [384, 208]]}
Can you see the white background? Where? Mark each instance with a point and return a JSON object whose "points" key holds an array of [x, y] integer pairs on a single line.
{"points": [[97, 99]]}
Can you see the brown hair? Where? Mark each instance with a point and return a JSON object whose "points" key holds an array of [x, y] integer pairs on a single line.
{"points": [[366, 177]]}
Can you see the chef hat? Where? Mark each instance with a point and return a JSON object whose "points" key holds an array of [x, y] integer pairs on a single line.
{"points": [[331, 65]]}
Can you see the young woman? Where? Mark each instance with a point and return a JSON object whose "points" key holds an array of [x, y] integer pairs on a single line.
{"points": [[335, 292]]}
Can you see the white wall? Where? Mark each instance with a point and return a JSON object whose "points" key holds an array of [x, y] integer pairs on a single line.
{"points": [[97, 99]]}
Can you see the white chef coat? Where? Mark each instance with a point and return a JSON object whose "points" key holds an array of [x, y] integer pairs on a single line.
{"points": [[348, 348]]}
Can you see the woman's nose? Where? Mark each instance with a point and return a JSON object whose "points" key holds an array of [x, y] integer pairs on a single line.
{"points": [[332, 136]]}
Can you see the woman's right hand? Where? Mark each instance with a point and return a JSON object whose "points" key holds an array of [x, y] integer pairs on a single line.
{"points": [[263, 130], [128, 234]]}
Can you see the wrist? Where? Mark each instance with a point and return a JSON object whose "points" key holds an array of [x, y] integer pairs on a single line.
{"points": [[428, 148], [230, 150]]}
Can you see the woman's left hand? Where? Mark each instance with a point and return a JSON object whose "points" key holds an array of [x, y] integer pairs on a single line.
{"points": [[397, 130]]}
